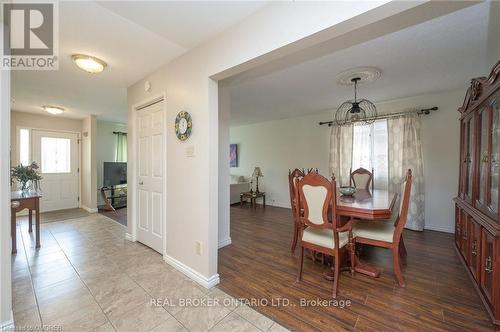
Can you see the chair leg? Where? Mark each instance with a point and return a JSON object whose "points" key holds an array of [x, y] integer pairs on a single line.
{"points": [[402, 251], [301, 262], [397, 266], [295, 238], [336, 275]]}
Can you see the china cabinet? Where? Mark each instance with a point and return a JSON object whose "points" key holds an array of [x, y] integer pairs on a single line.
{"points": [[477, 227]]}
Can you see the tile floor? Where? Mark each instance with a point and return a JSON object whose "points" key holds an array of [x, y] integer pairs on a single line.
{"points": [[87, 276]]}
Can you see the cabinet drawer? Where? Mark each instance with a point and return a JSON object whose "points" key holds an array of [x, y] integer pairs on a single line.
{"points": [[487, 265], [474, 245], [464, 240]]}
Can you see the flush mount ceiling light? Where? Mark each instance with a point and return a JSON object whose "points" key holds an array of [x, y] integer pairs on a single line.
{"points": [[53, 109], [89, 63]]}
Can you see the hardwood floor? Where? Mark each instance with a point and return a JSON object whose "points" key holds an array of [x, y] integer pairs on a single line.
{"points": [[439, 295]]}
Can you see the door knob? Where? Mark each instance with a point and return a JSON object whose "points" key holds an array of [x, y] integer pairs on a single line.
{"points": [[141, 183]]}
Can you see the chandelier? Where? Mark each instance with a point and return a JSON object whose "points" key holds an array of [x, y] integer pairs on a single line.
{"points": [[356, 111]]}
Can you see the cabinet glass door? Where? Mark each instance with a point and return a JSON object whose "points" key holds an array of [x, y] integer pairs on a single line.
{"points": [[494, 159], [483, 155], [468, 143]]}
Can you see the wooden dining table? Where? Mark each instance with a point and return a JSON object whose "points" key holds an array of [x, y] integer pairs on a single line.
{"points": [[368, 205]]}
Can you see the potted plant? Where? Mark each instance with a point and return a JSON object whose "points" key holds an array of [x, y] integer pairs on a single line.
{"points": [[27, 176]]}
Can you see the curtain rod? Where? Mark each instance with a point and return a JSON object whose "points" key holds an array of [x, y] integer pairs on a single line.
{"points": [[119, 133], [391, 115]]}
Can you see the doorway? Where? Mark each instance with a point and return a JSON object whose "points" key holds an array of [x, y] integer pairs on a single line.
{"points": [[150, 175], [57, 155]]}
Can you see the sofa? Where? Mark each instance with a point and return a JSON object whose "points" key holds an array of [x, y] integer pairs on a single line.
{"points": [[238, 184]]}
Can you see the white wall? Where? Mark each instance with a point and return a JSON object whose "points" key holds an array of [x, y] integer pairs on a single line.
{"points": [[277, 146], [89, 173], [6, 318], [105, 148]]}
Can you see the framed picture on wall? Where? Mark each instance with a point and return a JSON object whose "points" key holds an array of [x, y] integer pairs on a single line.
{"points": [[233, 155]]}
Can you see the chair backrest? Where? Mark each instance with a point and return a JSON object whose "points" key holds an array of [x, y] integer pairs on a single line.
{"points": [[317, 197], [362, 178], [404, 204], [293, 177]]}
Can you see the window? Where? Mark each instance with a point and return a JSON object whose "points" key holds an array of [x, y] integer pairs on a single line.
{"points": [[370, 150], [24, 146], [56, 155]]}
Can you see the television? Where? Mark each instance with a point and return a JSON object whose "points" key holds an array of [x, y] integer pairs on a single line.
{"points": [[115, 173]]}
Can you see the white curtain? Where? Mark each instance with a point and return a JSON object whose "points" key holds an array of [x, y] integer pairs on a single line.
{"points": [[121, 147], [405, 152], [341, 138], [370, 151]]}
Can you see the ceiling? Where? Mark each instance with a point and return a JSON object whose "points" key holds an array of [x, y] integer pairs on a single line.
{"points": [[437, 55], [133, 37]]}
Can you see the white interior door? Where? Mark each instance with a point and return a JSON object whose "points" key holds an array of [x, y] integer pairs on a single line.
{"points": [[150, 177], [57, 155]]}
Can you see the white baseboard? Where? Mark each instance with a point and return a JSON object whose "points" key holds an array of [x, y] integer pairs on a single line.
{"points": [[129, 237], [195, 275], [8, 325], [446, 229], [224, 243], [89, 210]]}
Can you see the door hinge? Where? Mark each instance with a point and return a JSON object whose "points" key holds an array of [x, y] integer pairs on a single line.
{"points": [[78, 198], [78, 170], [78, 141]]}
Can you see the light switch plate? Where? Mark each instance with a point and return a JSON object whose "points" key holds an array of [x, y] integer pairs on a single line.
{"points": [[190, 151]]}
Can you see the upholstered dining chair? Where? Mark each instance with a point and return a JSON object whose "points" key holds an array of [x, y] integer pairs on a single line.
{"points": [[388, 233], [293, 177], [317, 198], [361, 178]]}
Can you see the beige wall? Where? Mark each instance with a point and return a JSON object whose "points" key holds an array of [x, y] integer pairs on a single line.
{"points": [[192, 209], [39, 121], [89, 171], [277, 146]]}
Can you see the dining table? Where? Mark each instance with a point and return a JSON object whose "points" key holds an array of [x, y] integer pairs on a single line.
{"points": [[367, 205]]}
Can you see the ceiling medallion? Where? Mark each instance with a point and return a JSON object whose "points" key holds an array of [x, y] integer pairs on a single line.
{"points": [[357, 111], [365, 75]]}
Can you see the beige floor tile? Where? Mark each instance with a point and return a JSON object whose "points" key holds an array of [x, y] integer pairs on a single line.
{"points": [[141, 318], [234, 323], [50, 277], [67, 289], [86, 317], [23, 300], [108, 327], [29, 318], [65, 306], [199, 318], [171, 325], [117, 304], [254, 317], [278, 328]]}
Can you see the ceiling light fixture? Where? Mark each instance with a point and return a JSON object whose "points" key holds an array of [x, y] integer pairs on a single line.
{"points": [[53, 109], [89, 63], [360, 111]]}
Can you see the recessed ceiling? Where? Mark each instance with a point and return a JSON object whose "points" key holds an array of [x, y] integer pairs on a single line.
{"points": [[437, 55], [133, 38]]}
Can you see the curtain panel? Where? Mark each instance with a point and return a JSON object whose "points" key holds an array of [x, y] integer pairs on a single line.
{"points": [[121, 147], [405, 152], [341, 139]]}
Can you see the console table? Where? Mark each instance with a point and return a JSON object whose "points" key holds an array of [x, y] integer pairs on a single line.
{"points": [[21, 200]]}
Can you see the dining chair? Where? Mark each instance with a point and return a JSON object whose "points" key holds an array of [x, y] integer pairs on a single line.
{"points": [[388, 233], [293, 177], [317, 198], [361, 178]]}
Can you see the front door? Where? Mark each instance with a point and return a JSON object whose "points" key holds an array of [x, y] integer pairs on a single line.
{"points": [[150, 176], [57, 155]]}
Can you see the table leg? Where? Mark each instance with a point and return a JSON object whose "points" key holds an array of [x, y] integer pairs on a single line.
{"points": [[241, 201], [264, 201], [30, 218], [358, 267], [13, 230], [37, 223], [254, 203]]}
